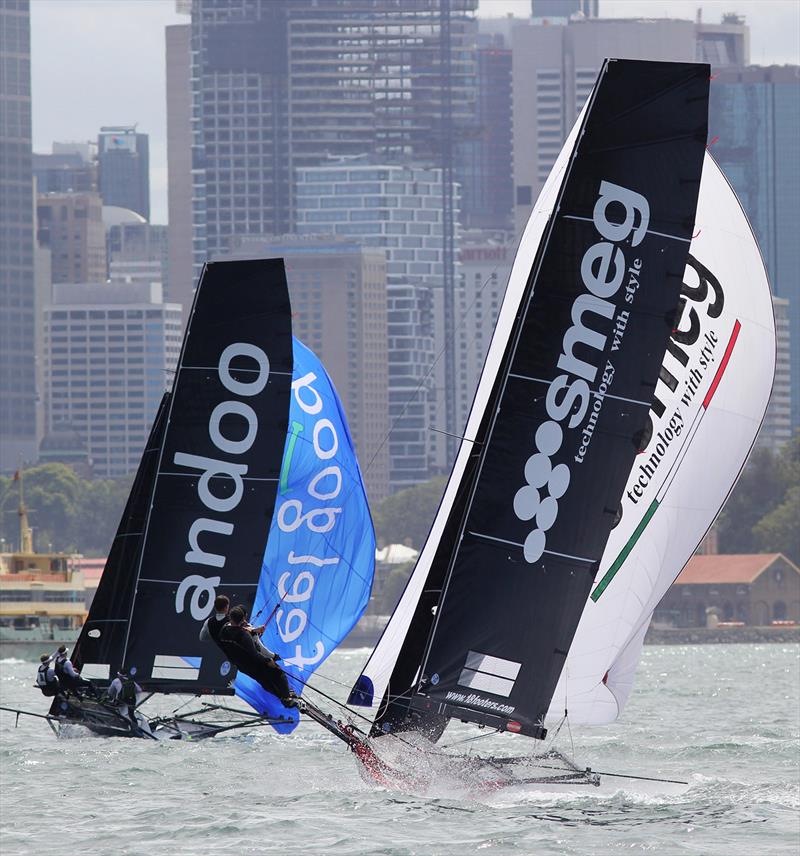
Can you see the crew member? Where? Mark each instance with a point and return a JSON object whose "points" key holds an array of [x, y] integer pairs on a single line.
{"points": [[236, 640], [217, 620], [122, 692], [46, 678], [68, 677]]}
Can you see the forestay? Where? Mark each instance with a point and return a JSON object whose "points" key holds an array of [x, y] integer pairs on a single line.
{"points": [[320, 556], [566, 389], [710, 401]]}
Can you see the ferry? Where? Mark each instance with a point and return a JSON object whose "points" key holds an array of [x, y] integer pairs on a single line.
{"points": [[42, 597]]}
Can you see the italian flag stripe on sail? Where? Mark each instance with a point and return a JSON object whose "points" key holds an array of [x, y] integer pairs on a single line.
{"points": [[648, 515]]}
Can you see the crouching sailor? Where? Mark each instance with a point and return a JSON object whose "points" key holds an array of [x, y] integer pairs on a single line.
{"points": [[122, 692], [46, 678], [69, 678], [253, 658]]}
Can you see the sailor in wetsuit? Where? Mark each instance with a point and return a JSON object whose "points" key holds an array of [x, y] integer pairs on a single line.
{"points": [[216, 621], [46, 678], [69, 678], [252, 658], [122, 692]]}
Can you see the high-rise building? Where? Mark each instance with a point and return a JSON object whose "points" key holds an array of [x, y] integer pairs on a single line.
{"points": [[723, 45], [754, 123], [487, 180], [109, 353], [66, 172], [17, 289], [777, 427], [555, 65], [485, 264], [564, 8], [123, 159], [399, 209], [413, 446], [70, 225], [139, 251], [179, 165], [338, 293], [279, 85]]}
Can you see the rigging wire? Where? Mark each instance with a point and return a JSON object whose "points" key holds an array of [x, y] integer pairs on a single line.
{"points": [[471, 739]]}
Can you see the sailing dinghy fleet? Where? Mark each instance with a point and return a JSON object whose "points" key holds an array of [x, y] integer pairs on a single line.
{"points": [[622, 392]]}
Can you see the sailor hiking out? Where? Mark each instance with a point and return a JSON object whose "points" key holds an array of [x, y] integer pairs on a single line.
{"points": [[241, 645], [69, 679], [46, 678], [217, 620]]}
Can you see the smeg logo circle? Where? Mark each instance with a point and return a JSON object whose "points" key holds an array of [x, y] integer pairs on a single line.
{"points": [[540, 474]]}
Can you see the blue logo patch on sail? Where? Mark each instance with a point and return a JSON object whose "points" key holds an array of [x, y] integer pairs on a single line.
{"points": [[320, 556]]}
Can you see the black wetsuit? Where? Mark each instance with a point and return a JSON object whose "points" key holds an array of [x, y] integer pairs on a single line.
{"points": [[215, 626], [241, 649]]}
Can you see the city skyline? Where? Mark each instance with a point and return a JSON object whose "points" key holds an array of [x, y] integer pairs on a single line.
{"points": [[129, 35]]}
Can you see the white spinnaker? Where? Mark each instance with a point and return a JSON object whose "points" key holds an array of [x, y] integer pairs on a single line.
{"points": [[683, 489], [382, 661]]}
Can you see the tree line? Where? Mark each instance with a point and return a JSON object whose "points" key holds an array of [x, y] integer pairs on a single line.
{"points": [[71, 514], [67, 513]]}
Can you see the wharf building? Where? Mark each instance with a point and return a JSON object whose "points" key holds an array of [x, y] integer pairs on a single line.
{"points": [[754, 122], [70, 226], [123, 158], [398, 209], [338, 293], [756, 589], [110, 351], [18, 393]]}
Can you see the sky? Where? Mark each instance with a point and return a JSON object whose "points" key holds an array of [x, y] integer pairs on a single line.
{"points": [[101, 62]]}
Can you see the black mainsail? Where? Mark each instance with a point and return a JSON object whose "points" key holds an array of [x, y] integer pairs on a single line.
{"points": [[485, 624], [199, 515], [103, 634]]}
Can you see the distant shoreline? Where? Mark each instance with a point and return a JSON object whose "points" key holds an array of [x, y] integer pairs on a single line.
{"points": [[720, 635]]}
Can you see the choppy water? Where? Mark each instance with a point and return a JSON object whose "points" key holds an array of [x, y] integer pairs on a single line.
{"points": [[726, 717]]}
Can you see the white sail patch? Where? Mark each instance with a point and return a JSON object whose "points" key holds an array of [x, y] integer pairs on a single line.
{"points": [[96, 671], [489, 674], [176, 668]]}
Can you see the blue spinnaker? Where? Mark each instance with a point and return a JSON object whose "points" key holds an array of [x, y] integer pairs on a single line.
{"points": [[320, 556]]}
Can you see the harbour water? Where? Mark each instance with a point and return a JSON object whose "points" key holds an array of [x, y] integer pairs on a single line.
{"points": [[724, 717]]}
